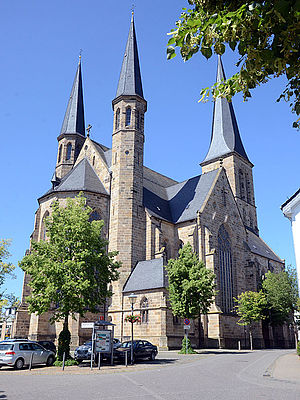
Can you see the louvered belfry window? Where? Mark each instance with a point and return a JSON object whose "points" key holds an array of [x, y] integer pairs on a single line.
{"points": [[225, 271]]}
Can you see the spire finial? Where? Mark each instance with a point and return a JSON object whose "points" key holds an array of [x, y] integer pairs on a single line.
{"points": [[88, 130], [80, 53]]}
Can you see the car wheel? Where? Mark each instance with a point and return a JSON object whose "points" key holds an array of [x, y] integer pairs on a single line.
{"points": [[152, 356], [50, 361], [19, 364]]}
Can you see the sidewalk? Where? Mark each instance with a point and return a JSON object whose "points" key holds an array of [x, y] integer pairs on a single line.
{"points": [[287, 368]]}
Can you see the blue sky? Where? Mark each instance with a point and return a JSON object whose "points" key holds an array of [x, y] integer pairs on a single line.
{"points": [[41, 41]]}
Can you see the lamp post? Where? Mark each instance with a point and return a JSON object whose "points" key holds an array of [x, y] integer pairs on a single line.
{"points": [[132, 298]]}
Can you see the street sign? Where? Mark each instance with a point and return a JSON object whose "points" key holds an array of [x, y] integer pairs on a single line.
{"points": [[87, 325], [187, 326], [102, 341], [186, 321]]}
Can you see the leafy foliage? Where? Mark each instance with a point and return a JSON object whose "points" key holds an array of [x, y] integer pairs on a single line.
{"points": [[298, 349], [191, 284], [250, 307], [6, 269], [281, 290], [265, 34], [70, 271]]}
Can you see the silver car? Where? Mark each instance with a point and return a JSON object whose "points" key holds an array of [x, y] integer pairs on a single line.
{"points": [[16, 353]]}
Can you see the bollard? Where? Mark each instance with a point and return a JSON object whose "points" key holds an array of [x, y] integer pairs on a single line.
{"points": [[63, 364], [30, 362], [239, 345], [99, 360], [126, 359]]}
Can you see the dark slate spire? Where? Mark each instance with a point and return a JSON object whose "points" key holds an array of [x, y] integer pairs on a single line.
{"points": [[74, 117], [225, 136], [130, 82]]}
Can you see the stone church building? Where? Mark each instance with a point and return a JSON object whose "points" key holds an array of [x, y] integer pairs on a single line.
{"points": [[149, 216]]}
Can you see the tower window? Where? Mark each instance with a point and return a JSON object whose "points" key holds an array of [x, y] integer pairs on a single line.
{"points": [[242, 184], [117, 121], [69, 149], [144, 311], [128, 116], [59, 153], [137, 119], [225, 271], [93, 160]]}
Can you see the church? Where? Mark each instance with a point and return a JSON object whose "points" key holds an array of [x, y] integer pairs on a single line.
{"points": [[148, 217]]}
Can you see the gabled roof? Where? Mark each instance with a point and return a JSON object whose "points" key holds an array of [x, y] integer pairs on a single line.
{"points": [[292, 205], [130, 81], [149, 274], [258, 246], [225, 136], [179, 202], [81, 177], [74, 117]]}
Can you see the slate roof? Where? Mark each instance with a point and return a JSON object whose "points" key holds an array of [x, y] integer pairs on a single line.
{"points": [[258, 246], [149, 274], [81, 177], [225, 136], [179, 202], [130, 81], [74, 118]]}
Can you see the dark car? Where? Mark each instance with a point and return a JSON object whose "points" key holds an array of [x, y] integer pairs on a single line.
{"points": [[48, 345], [141, 349], [84, 351]]}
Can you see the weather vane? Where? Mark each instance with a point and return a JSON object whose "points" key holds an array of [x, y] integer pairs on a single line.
{"points": [[132, 9], [80, 52]]}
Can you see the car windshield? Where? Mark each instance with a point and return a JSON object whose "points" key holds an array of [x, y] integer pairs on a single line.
{"points": [[6, 346]]}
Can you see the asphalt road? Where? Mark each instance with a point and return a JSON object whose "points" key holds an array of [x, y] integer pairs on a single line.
{"points": [[215, 375]]}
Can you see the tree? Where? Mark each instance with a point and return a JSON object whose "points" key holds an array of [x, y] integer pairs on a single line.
{"points": [[191, 284], [71, 270], [281, 290], [6, 269], [265, 34], [250, 308]]}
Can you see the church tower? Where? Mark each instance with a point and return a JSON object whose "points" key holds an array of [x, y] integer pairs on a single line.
{"points": [[72, 134], [226, 150], [127, 215]]}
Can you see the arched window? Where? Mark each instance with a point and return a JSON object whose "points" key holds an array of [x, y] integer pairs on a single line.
{"points": [[94, 216], [93, 160], [242, 184], [225, 271], [128, 116], [43, 227], [144, 310], [117, 121], [137, 119], [59, 153], [69, 149]]}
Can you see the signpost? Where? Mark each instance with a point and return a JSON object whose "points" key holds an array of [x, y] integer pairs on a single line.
{"points": [[186, 326]]}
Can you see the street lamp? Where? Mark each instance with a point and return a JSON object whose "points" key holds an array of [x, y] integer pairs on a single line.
{"points": [[132, 298]]}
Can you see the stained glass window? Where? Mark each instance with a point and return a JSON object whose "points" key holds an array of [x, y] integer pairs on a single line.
{"points": [[128, 116]]}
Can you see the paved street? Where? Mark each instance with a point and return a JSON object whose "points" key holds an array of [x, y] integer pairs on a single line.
{"points": [[212, 375]]}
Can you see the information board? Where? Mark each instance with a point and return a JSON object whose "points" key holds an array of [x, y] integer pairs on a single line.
{"points": [[102, 341]]}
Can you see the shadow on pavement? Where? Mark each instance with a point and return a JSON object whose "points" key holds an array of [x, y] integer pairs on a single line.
{"points": [[224, 352], [160, 361]]}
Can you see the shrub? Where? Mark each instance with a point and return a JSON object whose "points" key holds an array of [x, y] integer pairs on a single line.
{"points": [[68, 363], [298, 348], [187, 350], [64, 344]]}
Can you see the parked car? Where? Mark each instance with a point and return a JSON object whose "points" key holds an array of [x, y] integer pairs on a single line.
{"points": [[141, 349], [17, 353], [48, 345], [84, 351]]}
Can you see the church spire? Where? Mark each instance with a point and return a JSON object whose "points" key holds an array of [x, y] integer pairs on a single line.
{"points": [[225, 137], [74, 117], [130, 81]]}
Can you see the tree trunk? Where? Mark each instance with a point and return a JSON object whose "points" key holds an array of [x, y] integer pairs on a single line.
{"points": [[251, 339]]}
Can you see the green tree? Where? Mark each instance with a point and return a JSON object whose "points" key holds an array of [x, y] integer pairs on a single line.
{"points": [[281, 290], [6, 269], [71, 270], [265, 34], [191, 284], [250, 308]]}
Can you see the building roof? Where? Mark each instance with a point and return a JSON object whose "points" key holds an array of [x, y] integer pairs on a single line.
{"points": [[130, 81], [149, 274], [225, 136], [292, 205], [258, 246], [179, 202], [74, 117], [81, 178]]}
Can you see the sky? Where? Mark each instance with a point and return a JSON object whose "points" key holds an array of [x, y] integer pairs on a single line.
{"points": [[41, 42]]}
